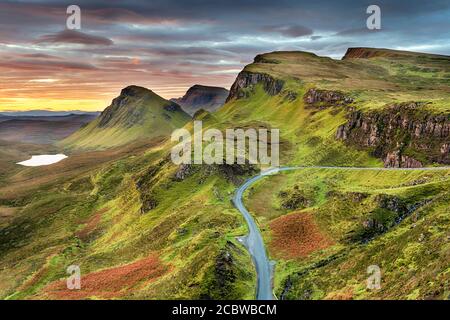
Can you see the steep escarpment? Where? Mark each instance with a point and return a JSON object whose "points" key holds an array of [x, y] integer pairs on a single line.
{"points": [[368, 53], [403, 135], [246, 81], [202, 97]]}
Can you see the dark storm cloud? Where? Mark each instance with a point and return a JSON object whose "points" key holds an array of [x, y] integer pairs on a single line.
{"points": [[72, 36]]}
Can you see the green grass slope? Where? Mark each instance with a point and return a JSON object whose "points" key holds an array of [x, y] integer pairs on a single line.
{"points": [[140, 227], [135, 230], [374, 77], [324, 228], [277, 98], [136, 114], [396, 220]]}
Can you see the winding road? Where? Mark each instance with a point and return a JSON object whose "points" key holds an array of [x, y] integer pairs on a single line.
{"points": [[254, 241]]}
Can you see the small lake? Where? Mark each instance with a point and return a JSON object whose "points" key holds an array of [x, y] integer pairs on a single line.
{"points": [[43, 160]]}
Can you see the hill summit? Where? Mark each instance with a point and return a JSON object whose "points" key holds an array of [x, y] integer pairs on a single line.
{"points": [[136, 113]]}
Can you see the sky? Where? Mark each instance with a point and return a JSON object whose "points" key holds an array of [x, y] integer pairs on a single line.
{"points": [[168, 46]]}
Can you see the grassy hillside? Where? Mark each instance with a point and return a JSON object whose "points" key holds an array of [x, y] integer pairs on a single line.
{"points": [[309, 97], [135, 230], [137, 113], [141, 227], [324, 228], [393, 76]]}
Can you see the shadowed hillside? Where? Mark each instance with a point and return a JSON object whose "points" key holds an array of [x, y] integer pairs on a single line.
{"points": [[202, 97]]}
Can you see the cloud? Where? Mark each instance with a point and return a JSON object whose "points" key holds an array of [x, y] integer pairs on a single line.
{"points": [[72, 36], [293, 31], [44, 65], [168, 45], [38, 56]]}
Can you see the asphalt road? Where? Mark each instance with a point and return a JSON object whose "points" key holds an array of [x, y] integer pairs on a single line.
{"points": [[254, 241]]}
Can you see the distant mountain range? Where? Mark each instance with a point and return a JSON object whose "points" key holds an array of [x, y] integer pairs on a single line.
{"points": [[41, 129], [202, 97], [45, 113]]}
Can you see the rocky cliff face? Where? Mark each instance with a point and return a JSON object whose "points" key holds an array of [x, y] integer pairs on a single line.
{"points": [[403, 135], [395, 159], [202, 97], [363, 53], [246, 81], [326, 98]]}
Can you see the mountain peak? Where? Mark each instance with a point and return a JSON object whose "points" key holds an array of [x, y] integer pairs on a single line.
{"points": [[137, 113], [134, 90], [197, 87]]}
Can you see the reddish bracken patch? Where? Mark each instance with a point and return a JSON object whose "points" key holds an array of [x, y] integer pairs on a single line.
{"points": [[296, 235], [91, 224], [111, 283]]}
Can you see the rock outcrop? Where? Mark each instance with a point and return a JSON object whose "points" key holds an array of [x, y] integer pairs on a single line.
{"points": [[390, 211], [295, 198], [246, 81], [395, 159], [232, 172], [326, 98], [403, 135]]}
